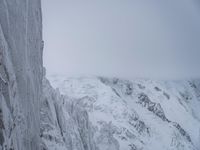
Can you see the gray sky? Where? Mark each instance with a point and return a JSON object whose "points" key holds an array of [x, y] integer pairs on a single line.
{"points": [[123, 38]]}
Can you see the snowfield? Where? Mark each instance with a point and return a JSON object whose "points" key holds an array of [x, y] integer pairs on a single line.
{"points": [[136, 114]]}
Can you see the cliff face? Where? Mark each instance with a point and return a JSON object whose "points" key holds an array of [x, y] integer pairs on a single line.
{"points": [[20, 73], [64, 124]]}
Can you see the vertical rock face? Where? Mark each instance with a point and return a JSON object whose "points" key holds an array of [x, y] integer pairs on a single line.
{"points": [[64, 125], [20, 74]]}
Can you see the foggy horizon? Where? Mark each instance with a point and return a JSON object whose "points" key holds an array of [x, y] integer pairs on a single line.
{"points": [[122, 39]]}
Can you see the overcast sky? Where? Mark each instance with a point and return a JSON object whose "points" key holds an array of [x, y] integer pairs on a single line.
{"points": [[122, 38]]}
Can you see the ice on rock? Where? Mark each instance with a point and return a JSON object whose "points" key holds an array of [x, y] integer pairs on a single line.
{"points": [[20, 74], [64, 125]]}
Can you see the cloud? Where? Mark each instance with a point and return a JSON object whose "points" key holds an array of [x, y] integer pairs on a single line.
{"points": [[158, 39]]}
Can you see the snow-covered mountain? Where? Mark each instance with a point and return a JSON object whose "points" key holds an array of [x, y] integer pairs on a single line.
{"points": [[91, 113], [129, 114]]}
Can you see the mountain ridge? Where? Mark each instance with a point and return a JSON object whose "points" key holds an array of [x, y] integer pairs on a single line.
{"points": [[126, 107]]}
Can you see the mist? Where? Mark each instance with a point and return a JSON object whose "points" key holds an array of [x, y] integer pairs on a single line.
{"points": [[131, 38]]}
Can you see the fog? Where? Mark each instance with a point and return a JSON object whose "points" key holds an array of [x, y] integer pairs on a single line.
{"points": [[129, 38]]}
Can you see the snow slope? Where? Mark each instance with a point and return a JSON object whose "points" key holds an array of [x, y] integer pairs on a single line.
{"points": [[137, 114]]}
